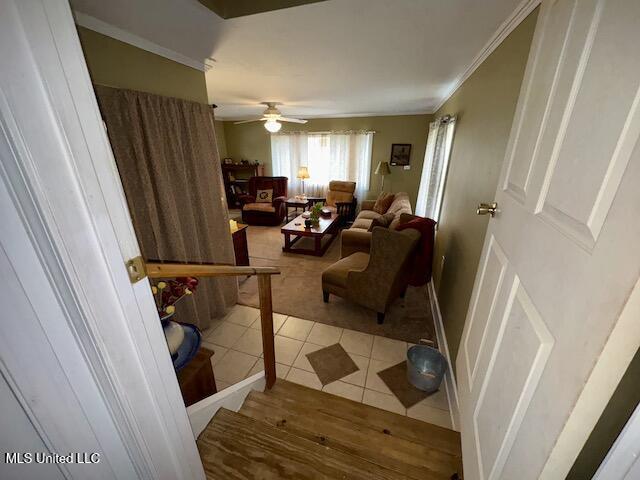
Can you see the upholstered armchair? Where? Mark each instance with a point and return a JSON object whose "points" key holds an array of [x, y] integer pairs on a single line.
{"points": [[256, 211], [341, 199], [376, 279]]}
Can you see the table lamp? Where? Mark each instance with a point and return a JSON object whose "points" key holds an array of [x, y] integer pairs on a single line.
{"points": [[383, 169], [303, 174]]}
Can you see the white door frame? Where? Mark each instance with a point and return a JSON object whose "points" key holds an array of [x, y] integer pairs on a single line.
{"points": [[67, 202], [623, 460]]}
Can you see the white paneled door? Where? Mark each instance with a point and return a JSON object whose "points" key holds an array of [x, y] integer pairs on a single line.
{"points": [[562, 256]]}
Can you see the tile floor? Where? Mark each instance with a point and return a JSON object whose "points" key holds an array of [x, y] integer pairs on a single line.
{"points": [[237, 342]]}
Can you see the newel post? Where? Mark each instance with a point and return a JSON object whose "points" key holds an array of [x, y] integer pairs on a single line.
{"points": [[266, 319]]}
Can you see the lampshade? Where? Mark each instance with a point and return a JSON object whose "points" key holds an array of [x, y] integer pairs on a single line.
{"points": [[303, 173], [272, 125], [383, 168]]}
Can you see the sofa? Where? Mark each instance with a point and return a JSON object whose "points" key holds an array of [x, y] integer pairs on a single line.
{"points": [[357, 238], [256, 212], [377, 278]]}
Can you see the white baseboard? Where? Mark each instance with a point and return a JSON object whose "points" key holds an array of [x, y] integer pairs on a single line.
{"points": [[232, 398], [449, 377]]}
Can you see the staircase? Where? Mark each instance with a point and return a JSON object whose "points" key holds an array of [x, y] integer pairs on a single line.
{"points": [[295, 432]]}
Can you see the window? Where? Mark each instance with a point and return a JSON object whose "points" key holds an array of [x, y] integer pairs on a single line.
{"points": [[327, 156], [434, 169]]}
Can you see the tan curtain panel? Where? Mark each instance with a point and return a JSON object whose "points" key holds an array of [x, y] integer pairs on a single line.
{"points": [[167, 156]]}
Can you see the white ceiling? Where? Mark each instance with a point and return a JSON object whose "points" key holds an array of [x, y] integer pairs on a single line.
{"points": [[334, 58]]}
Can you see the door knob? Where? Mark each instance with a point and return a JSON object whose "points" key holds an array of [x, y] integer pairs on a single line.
{"points": [[487, 208]]}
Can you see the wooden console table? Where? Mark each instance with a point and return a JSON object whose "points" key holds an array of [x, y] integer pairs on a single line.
{"points": [[240, 247]]}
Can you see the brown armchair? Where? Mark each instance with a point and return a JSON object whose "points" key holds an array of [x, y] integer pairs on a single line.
{"points": [[376, 279], [341, 199], [261, 213]]}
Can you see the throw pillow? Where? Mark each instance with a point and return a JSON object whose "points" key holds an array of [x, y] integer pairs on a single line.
{"points": [[382, 221], [383, 203], [264, 196]]}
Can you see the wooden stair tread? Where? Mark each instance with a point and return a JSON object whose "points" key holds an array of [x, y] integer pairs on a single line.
{"points": [[406, 457], [416, 431], [234, 446]]}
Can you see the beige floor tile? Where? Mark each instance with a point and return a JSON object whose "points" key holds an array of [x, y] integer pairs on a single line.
{"points": [[220, 385], [218, 351], [215, 323], [427, 413], [302, 377], [234, 366], [357, 342], [257, 367], [281, 370], [301, 360], [242, 315], [278, 321], [358, 378], [287, 349], [389, 350], [383, 401], [326, 335], [250, 342], [226, 334], [297, 328], [374, 382], [438, 399], [345, 390]]}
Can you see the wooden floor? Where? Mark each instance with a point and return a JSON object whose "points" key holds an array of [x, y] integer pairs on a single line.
{"points": [[299, 433]]}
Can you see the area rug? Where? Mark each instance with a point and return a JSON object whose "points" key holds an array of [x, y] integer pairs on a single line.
{"points": [[297, 291], [331, 363], [396, 379]]}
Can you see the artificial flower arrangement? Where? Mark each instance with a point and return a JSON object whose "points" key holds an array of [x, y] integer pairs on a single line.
{"points": [[183, 339], [167, 293]]}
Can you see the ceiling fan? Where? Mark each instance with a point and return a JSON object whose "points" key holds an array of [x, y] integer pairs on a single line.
{"points": [[272, 118]]}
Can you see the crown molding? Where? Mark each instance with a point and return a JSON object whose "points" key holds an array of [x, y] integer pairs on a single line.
{"points": [[517, 16], [112, 31]]}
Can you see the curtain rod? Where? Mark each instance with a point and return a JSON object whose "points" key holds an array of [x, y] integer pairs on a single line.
{"points": [[97, 84], [298, 132]]}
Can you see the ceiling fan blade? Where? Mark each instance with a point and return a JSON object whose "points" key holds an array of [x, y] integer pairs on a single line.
{"points": [[292, 120], [249, 121]]}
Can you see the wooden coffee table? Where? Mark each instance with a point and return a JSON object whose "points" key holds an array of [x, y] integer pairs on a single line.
{"points": [[328, 227]]}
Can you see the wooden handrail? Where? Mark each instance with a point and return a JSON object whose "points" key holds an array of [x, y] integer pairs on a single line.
{"points": [[172, 270]]}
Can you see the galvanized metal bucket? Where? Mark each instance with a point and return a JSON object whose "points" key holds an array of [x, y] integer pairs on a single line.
{"points": [[425, 368]]}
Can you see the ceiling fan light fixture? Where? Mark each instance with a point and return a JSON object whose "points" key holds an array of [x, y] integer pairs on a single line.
{"points": [[273, 126]]}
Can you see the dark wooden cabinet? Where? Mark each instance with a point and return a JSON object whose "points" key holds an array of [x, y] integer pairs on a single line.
{"points": [[240, 247], [236, 177], [196, 379]]}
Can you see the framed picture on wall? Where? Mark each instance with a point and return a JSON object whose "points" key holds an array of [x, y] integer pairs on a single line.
{"points": [[400, 154]]}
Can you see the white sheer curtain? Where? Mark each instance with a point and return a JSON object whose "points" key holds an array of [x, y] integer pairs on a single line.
{"points": [[434, 169], [288, 153], [328, 156]]}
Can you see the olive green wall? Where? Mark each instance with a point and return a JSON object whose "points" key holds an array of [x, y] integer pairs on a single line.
{"points": [[485, 105], [251, 141], [220, 136], [118, 64]]}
